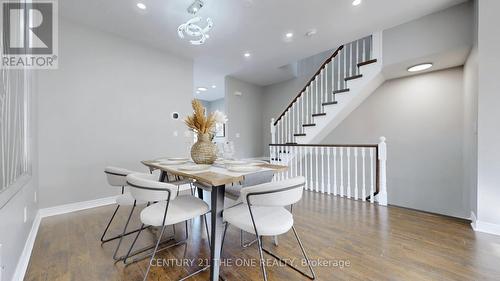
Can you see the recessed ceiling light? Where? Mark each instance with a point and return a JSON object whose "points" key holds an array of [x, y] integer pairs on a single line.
{"points": [[213, 86], [247, 55], [356, 2], [197, 92], [141, 6], [289, 35], [202, 89], [420, 67]]}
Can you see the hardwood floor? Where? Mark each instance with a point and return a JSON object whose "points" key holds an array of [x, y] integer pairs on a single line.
{"points": [[378, 243]]}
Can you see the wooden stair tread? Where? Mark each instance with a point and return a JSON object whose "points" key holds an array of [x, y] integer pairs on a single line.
{"points": [[300, 135], [330, 102], [309, 125], [341, 91], [318, 114], [367, 62], [353, 77]]}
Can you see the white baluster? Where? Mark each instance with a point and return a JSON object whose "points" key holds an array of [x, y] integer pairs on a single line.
{"points": [[334, 171], [356, 190], [299, 152], [316, 187], [372, 198], [382, 158], [311, 186], [341, 171], [304, 155], [322, 170], [327, 96], [348, 172], [363, 155], [328, 170], [317, 102], [273, 131], [322, 89]]}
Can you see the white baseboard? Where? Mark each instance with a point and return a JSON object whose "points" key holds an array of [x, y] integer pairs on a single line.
{"points": [[74, 207], [486, 227], [22, 264], [473, 219]]}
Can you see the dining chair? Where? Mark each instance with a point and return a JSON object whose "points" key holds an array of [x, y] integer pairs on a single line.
{"points": [[169, 208], [261, 210], [116, 177]]}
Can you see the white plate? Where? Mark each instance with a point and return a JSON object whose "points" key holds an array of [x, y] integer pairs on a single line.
{"points": [[243, 169], [178, 159], [235, 162], [194, 167], [168, 163]]}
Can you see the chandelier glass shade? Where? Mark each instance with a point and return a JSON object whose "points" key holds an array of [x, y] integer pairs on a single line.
{"points": [[198, 33]]}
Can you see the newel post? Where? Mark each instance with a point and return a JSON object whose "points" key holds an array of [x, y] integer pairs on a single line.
{"points": [[382, 158]]}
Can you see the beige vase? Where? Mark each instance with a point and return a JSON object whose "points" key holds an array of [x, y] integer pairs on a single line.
{"points": [[204, 151]]}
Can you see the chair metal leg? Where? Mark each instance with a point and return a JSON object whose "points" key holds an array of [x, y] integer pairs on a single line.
{"points": [[132, 245], [154, 252], [275, 239], [206, 228], [183, 241], [124, 232], [262, 262], [244, 244], [109, 223], [313, 275], [208, 266]]}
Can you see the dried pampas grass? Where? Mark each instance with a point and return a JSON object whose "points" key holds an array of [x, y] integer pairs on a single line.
{"points": [[198, 122]]}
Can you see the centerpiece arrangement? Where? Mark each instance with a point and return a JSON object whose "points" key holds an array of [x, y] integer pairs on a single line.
{"points": [[204, 151]]}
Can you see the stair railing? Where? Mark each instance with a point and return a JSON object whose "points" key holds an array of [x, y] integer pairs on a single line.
{"points": [[352, 171], [330, 79]]}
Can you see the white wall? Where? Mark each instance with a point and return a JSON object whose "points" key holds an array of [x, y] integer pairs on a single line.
{"points": [[421, 116], [13, 230], [244, 127], [488, 182], [109, 103]]}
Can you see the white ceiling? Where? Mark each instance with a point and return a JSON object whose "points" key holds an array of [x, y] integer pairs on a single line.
{"points": [[256, 26]]}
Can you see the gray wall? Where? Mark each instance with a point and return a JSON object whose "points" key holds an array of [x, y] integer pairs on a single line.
{"points": [[421, 116], [13, 230], [488, 206], [443, 38], [109, 103], [244, 127], [278, 96]]}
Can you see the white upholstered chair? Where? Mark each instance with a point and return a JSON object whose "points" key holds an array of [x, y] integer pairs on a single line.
{"points": [[169, 208], [261, 211], [116, 177]]}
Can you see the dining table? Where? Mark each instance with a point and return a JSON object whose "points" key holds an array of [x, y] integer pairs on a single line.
{"points": [[215, 178]]}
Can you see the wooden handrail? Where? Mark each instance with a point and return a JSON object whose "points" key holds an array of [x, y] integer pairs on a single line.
{"points": [[310, 81], [326, 145]]}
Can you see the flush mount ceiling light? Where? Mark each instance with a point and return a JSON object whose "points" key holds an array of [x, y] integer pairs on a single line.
{"points": [[141, 6], [213, 86], [289, 35], [202, 89], [420, 67], [356, 2], [246, 55], [191, 27]]}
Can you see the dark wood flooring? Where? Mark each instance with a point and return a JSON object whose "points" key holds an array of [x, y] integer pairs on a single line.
{"points": [[371, 242]]}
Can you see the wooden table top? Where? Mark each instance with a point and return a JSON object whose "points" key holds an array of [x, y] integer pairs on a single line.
{"points": [[216, 175]]}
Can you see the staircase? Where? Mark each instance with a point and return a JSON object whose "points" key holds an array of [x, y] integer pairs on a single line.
{"points": [[341, 84]]}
